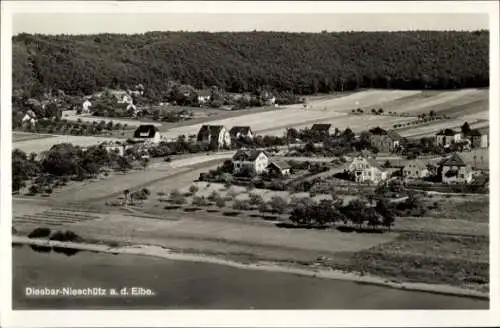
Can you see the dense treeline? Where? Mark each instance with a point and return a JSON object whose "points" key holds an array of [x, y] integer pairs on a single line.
{"points": [[302, 63]]}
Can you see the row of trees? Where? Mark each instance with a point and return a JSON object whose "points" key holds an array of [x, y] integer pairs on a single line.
{"points": [[302, 63], [65, 161], [356, 212]]}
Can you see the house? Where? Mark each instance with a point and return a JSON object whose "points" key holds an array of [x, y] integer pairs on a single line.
{"points": [[29, 118], [478, 139], [204, 96], [126, 99], [237, 132], [384, 141], [147, 133], [279, 168], [267, 98], [215, 135], [366, 169], [322, 129], [447, 137], [415, 169], [255, 161], [454, 170], [86, 106], [115, 147]]}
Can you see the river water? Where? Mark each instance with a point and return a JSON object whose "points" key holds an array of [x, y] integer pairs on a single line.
{"points": [[190, 285]]}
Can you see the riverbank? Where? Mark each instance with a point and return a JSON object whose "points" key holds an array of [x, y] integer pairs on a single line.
{"points": [[156, 251]]}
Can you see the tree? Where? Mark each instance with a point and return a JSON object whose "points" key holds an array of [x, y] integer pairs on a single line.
{"points": [[255, 199], [220, 202], [193, 189], [465, 129], [278, 204], [126, 194]]}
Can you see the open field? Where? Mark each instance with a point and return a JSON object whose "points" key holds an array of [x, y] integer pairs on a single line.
{"points": [[427, 256], [42, 144], [26, 136], [71, 115], [468, 208], [450, 103], [432, 128], [468, 104], [463, 105]]}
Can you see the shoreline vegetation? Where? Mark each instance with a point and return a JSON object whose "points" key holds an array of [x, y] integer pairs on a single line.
{"points": [[170, 254]]}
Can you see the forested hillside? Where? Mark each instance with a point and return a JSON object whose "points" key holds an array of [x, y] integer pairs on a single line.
{"points": [[303, 63]]}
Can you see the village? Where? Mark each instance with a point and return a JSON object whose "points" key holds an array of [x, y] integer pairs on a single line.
{"points": [[389, 184]]}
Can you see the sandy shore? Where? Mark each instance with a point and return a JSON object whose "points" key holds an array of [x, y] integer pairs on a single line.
{"points": [[264, 266]]}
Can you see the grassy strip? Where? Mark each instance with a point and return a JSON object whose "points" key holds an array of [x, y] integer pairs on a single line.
{"points": [[429, 258]]}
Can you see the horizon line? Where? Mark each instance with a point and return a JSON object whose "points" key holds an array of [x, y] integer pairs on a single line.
{"points": [[255, 31]]}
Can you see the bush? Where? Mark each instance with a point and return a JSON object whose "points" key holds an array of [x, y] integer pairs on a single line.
{"points": [[241, 205], [213, 196], [278, 204], [220, 202], [193, 189], [66, 236], [199, 201], [255, 199], [264, 208], [34, 189], [177, 198], [39, 233]]}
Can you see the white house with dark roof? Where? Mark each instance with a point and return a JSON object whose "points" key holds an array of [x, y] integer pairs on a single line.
{"points": [[447, 137], [253, 160], [215, 135], [415, 169], [29, 118], [204, 96], [86, 106], [237, 132], [366, 169], [478, 139], [147, 133], [323, 129], [454, 170]]}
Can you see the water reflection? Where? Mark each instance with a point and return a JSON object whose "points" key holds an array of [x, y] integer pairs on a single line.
{"points": [[61, 250]]}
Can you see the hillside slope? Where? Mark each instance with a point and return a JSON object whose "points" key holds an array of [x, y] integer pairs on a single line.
{"points": [[304, 63]]}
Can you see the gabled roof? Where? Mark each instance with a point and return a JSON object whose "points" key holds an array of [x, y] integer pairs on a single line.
{"points": [[418, 163], [209, 130], [248, 155], [371, 161], [145, 131], [447, 132], [282, 165], [321, 127], [453, 160], [239, 129]]}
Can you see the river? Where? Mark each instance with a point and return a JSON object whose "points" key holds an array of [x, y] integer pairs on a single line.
{"points": [[191, 285]]}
